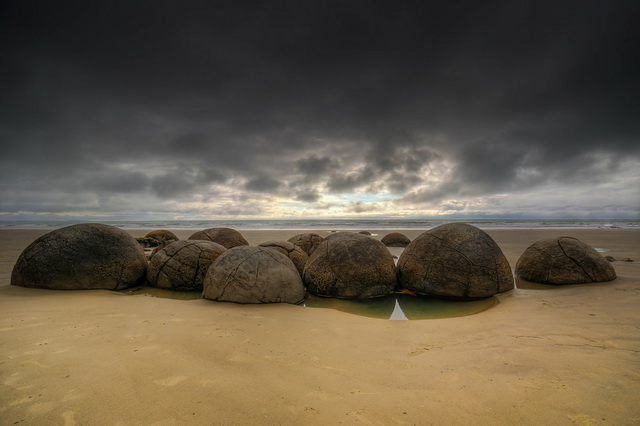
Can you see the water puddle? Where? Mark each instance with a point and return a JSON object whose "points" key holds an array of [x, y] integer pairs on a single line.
{"points": [[392, 307], [403, 306]]}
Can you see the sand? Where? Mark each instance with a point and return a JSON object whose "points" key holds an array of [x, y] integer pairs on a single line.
{"points": [[543, 355]]}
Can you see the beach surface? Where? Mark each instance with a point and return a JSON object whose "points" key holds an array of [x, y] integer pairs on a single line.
{"points": [[558, 355]]}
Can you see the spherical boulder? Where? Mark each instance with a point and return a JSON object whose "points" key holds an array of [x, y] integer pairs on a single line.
{"points": [[454, 260], [307, 241], [182, 265], [226, 237], [83, 256], [249, 274], [563, 260], [162, 235], [292, 251], [365, 233], [395, 239], [350, 265]]}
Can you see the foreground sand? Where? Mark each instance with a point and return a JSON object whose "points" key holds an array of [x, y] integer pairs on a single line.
{"points": [[543, 355]]}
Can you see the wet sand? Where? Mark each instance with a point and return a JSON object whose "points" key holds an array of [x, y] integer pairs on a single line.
{"points": [[542, 355]]}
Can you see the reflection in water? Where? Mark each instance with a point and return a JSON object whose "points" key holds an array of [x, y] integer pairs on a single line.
{"points": [[403, 306], [392, 307], [530, 285]]}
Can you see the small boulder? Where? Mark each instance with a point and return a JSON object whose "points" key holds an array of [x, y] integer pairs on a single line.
{"points": [[182, 265], [292, 251], [365, 233], [395, 239], [83, 256], [307, 241], [226, 237], [350, 265], [563, 260], [454, 260], [162, 235], [248, 274]]}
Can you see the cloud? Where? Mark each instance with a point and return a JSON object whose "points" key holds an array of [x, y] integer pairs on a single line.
{"points": [[417, 102]]}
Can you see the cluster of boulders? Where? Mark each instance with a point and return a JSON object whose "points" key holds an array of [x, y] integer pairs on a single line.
{"points": [[454, 260]]}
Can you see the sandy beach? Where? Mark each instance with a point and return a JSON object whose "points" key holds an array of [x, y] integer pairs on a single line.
{"points": [[557, 355]]}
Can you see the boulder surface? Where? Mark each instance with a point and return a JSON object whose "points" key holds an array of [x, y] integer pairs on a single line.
{"points": [[563, 260], [292, 251], [454, 260], [226, 237], [83, 256], [307, 241], [350, 265], [249, 274], [182, 265]]}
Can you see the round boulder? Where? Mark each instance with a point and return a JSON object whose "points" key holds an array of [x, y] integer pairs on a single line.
{"points": [[249, 274], [395, 239], [292, 251], [226, 237], [83, 256], [162, 235], [350, 265], [455, 260], [307, 241], [563, 260], [182, 265]]}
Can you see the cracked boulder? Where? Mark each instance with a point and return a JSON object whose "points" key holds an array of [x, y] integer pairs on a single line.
{"points": [[454, 260], [307, 241], [395, 239], [182, 265], [350, 265], [83, 256], [250, 274], [563, 260], [292, 251], [226, 237]]}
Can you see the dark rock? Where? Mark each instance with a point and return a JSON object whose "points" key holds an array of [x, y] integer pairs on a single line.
{"points": [[83, 256], [226, 237], [563, 260], [292, 251], [147, 242], [364, 232], [627, 259], [162, 235], [350, 265], [395, 239], [248, 274], [182, 265], [610, 258], [455, 260], [307, 242]]}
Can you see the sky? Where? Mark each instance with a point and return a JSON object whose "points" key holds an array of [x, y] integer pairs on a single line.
{"points": [[319, 109]]}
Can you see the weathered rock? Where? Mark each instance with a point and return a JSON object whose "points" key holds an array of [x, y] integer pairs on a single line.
{"points": [[182, 265], [365, 233], [83, 256], [226, 237], [307, 241], [292, 251], [610, 258], [350, 265], [563, 260], [455, 260], [395, 239], [162, 235], [249, 274]]}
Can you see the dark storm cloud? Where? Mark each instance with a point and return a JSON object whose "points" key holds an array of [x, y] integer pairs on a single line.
{"points": [[165, 99]]}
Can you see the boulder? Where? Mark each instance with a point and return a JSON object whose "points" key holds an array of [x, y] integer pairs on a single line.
{"points": [[395, 239], [226, 237], [454, 260], [307, 241], [365, 233], [83, 256], [563, 260], [292, 251], [162, 235], [182, 265], [249, 274], [350, 265]]}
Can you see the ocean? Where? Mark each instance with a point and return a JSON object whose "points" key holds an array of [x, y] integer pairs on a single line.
{"points": [[340, 224]]}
